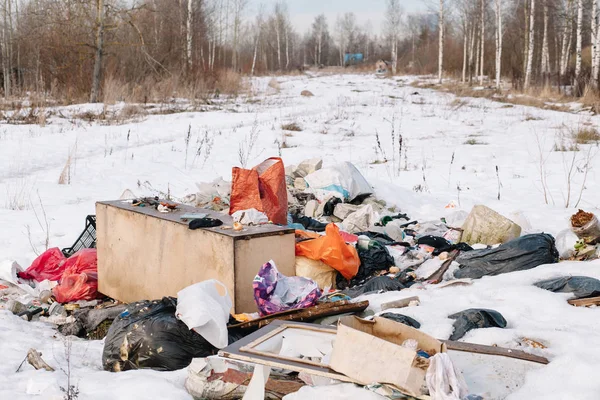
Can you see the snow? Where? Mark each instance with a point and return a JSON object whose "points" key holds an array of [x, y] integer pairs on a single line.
{"points": [[342, 122]]}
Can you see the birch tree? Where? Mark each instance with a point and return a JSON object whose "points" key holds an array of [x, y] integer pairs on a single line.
{"points": [[188, 42], [545, 49], [482, 41], [566, 38], [320, 34], [528, 70], [258, 32], [441, 42], [499, 34], [97, 74], [595, 43], [579, 48], [393, 21]]}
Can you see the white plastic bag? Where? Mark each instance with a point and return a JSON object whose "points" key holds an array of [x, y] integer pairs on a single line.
{"points": [[204, 310], [250, 216], [565, 243], [361, 220], [343, 179], [444, 380]]}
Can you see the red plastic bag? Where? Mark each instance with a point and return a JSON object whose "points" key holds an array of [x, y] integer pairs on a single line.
{"points": [[332, 250], [80, 278], [263, 188], [49, 265]]}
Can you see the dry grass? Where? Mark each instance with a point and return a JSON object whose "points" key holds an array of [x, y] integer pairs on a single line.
{"points": [[586, 135], [591, 99], [292, 126], [474, 142]]}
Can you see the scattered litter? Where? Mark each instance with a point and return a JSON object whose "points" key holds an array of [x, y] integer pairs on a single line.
{"points": [[581, 286], [316, 270], [444, 380], [475, 318], [586, 226], [484, 225], [342, 179], [403, 319]]}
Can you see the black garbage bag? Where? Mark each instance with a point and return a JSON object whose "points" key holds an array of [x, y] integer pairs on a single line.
{"points": [[475, 318], [375, 285], [403, 319], [519, 254], [309, 223], [148, 335], [373, 260], [329, 207], [441, 245], [380, 237], [581, 286]]}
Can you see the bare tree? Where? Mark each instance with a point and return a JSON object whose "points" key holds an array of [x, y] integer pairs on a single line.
{"points": [[531, 44], [481, 74], [97, 74], [545, 49], [498, 42], [579, 39], [441, 42], [393, 21]]}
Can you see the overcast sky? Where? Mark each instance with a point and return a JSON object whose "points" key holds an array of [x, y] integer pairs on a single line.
{"points": [[303, 12]]}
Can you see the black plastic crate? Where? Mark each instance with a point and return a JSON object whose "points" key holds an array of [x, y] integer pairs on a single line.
{"points": [[87, 239]]}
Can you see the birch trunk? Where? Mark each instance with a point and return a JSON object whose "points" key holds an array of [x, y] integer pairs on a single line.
{"points": [[566, 39], [482, 41], [595, 49], [465, 48], [498, 43], [255, 51], [526, 44], [394, 56], [97, 75], [531, 45], [287, 49], [441, 43], [471, 50], [579, 39], [188, 41], [545, 50], [278, 46]]}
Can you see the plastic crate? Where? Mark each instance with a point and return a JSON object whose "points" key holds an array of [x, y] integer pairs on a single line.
{"points": [[87, 239]]}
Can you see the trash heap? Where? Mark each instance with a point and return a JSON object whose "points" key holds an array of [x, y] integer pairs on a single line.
{"points": [[348, 244]]}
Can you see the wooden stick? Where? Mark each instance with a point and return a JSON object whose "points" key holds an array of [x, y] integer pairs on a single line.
{"points": [[494, 351], [34, 358], [399, 303], [592, 301]]}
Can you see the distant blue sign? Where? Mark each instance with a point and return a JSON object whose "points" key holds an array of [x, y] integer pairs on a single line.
{"points": [[351, 59]]}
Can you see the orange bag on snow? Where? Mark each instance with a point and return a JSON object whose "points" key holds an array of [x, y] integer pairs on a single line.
{"points": [[332, 250], [263, 188]]}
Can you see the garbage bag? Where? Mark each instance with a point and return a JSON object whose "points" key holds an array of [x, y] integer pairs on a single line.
{"points": [[565, 243], [330, 206], [441, 245], [360, 220], [380, 237], [524, 253], [274, 292], [79, 280], [444, 380], [332, 250], [49, 265], [376, 284], [250, 217], [475, 318], [586, 226], [262, 188], [203, 309], [316, 270], [309, 223], [403, 319], [484, 225], [581, 286], [374, 259], [149, 335], [343, 179]]}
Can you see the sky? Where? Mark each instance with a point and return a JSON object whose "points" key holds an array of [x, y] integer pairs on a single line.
{"points": [[303, 12]]}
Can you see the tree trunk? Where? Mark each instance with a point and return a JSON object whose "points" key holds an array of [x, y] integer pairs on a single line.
{"points": [[531, 45], [595, 44], [287, 48], [394, 56], [482, 41], [566, 39], [278, 46], [526, 44], [441, 43], [465, 48], [255, 51], [471, 50], [498, 43], [545, 49], [579, 39], [97, 75], [188, 42]]}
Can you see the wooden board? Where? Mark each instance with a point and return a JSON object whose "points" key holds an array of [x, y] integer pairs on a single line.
{"points": [[401, 303], [306, 314], [591, 301], [494, 351]]}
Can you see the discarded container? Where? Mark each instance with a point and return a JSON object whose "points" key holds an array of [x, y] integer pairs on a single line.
{"points": [[371, 351], [262, 188], [586, 226], [484, 225]]}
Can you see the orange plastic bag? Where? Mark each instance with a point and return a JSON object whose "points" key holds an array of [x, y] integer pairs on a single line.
{"points": [[333, 251], [263, 188]]}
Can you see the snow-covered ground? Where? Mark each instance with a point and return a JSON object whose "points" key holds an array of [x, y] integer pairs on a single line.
{"points": [[464, 151]]}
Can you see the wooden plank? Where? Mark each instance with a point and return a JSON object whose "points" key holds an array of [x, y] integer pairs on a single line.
{"points": [[494, 351], [438, 275], [399, 303], [306, 314], [591, 301]]}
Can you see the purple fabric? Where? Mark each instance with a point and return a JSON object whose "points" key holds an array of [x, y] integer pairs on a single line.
{"points": [[274, 292]]}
